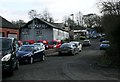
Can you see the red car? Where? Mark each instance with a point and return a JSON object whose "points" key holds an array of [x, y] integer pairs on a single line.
{"points": [[54, 44], [26, 42], [20, 43]]}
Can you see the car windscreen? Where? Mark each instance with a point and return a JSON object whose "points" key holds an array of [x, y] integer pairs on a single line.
{"points": [[25, 43], [105, 42], [52, 43], [86, 41], [5, 44], [26, 48], [65, 46], [76, 43]]}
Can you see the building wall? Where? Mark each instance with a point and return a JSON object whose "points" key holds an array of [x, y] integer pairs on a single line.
{"points": [[36, 34], [60, 34], [39, 30], [6, 32], [47, 34]]}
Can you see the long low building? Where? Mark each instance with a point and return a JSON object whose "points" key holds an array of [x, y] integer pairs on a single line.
{"points": [[7, 29], [38, 29]]}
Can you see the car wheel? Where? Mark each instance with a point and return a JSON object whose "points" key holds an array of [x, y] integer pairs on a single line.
{"points": [[17, 65], [59, 53], [72, 53], [80, 51], [31, 60], [43, 58]]}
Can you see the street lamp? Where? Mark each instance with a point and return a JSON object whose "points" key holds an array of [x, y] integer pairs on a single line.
{"points": [[72, 25], [69, 26]]}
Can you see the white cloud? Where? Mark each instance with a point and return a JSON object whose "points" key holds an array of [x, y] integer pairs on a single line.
{"points": [[18, 9]]}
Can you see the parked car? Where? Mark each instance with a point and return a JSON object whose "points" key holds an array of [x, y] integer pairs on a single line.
{"points": [[79, 45], [41, 45], [104, 45], [8, 56], [102, 39], [54, 44], [67, 48], [86, 43], [99, 35], [30, 53], [20, 43], [82, 37], [94, 36], [45, 42]]}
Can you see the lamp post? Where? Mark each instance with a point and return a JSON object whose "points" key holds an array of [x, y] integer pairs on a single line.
{"points": [[72, 25]]}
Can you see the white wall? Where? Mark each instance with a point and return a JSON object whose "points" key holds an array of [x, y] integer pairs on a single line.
{"points": [[59, 34], [12, 35], [55, 34]]}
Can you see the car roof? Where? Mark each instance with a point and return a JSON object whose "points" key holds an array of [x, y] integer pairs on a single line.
{"points": [[7, 38], [86, 40], [66, 43], [105, 41], [28, 45], [74, 42], [38, 43]]}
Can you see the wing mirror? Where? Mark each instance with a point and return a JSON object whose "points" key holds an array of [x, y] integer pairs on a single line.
{"points": [[34, 51]]}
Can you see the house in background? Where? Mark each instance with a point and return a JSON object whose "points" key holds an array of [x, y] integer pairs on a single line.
{"points": [[38, 29], [7, 29], [79, 31]]}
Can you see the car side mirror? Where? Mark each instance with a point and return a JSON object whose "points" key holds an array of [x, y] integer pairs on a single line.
{"points": [[34, 51]]}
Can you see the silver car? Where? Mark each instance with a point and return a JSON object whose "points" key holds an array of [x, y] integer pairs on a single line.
{"points": [[41, 46], [86, 43], [79, 45], [67, 48]]}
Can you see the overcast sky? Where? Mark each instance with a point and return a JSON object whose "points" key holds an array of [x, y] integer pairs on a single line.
{"points": [[18, 9]]}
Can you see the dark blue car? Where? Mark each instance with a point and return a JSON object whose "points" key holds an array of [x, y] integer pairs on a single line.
{"points": [[30, 53], [104, 45]]}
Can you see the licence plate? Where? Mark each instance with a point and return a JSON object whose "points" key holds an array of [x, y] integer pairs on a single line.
{"points": [[64, 51]]}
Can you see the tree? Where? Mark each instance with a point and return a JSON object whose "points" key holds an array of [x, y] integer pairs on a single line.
{"points": [[111, 7], [111, 25], [69, 22], [92, 20], [18, 23], [33, 14], [44, 16], [79, 19]]}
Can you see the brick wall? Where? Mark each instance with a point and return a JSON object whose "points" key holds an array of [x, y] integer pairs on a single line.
{"points": [[7, 31]]}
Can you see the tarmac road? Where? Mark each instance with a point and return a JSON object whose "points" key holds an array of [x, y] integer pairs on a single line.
{"points": [[79, 67]]}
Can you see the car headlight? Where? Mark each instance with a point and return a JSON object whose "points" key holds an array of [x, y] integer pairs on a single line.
{"points": [[54, 46], [6, 57], [29, 54]]}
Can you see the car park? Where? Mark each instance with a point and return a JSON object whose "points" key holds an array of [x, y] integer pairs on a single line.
{"points": [[9, 58], [86, 43], [67, 48], [79, 45], [104, 45], [54, 44], [30, 53]]}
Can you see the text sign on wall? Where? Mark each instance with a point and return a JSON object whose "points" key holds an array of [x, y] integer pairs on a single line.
{"points": [[37, 26]]}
